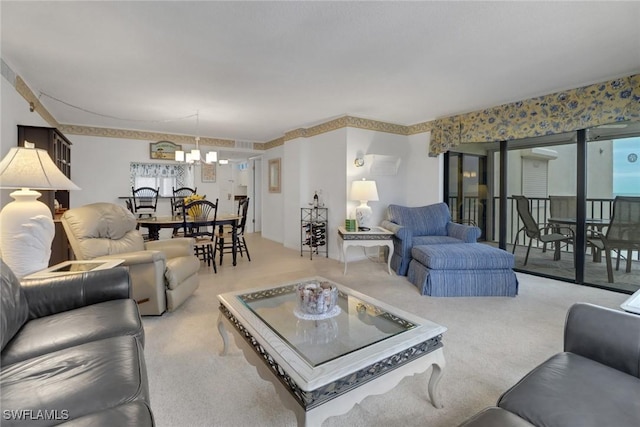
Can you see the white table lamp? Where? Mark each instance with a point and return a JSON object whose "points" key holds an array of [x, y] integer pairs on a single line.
{"points": [[364, 191], [26, 224]]}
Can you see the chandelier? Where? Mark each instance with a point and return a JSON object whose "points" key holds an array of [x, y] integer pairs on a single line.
{"points": [[194, 157]]}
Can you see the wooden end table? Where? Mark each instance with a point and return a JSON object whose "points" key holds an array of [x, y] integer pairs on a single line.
{"points": [[377, 236]]}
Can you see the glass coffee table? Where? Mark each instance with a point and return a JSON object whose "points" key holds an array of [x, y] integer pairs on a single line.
{"points": [[322, 366]]}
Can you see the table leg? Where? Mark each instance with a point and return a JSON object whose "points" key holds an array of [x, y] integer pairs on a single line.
{"points": [[345, 246], [390, 246], [223, 334], [556, 253], [154, 232], [234, 240], [436, 375]]}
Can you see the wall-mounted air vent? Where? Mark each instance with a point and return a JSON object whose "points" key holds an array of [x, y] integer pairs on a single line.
{"points": [[248, 145]]}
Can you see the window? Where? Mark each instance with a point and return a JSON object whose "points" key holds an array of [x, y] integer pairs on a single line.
{"points": [[163, 176]]}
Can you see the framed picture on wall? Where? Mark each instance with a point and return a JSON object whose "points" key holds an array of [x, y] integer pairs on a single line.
{"points": [[164, 150], [274, 175], [208, 172]]}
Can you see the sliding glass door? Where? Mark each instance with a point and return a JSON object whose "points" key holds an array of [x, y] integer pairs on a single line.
{"points": [[563, 195], [541, 205], [613, 207], [467, 189]]}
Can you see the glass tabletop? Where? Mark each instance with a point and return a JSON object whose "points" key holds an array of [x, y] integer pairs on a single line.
{"points": [[358, 324]]}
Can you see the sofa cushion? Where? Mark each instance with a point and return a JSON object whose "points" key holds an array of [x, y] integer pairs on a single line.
{"points": [[100, 229], [14, 309], [134, 414], [433, 240], [562, 390], [70, 328], [462, 256], [423, 220], [81, 380]]}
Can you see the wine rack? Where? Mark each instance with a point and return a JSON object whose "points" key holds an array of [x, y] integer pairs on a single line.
{"points": [[313, 231]]}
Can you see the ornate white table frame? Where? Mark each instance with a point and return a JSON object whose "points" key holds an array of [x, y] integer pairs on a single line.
{"points": [[377, 236], [338, 390]]}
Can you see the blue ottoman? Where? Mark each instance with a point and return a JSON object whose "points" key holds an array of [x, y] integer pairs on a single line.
{"points": [[462, 269]]}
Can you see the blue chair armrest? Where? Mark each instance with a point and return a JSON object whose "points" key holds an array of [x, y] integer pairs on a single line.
{"points": [[466, 233]]}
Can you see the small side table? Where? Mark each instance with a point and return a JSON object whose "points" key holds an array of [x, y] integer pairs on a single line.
{"points": [[632, 304], [377, 236], [76, 266]]}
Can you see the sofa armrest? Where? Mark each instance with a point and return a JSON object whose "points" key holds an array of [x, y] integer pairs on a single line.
{"points": [[138, 257], [52, 295], [466, 233], [173, 248], [607, 336], [400, 231]]}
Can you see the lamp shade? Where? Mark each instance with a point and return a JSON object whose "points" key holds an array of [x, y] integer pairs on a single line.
{"points": [[364, 190], [32, 168], [211, 157]]}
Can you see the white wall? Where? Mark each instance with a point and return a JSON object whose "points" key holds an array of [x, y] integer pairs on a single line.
{"points": [[272, 203], [316, 164], [424, 185], [325, 174], [100, 167], [14, 111]]}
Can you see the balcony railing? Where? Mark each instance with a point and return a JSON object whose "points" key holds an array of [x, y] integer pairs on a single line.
{"points": [[473, 208]]}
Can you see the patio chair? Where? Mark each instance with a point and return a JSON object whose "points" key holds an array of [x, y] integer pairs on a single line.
{"points": [[145, 200], [562, 206], [623, 233], [546, 233]]}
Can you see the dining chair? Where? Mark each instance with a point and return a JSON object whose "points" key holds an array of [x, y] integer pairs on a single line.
{"points": [[562, 206], [224, 236], [145, 200], [622, 233], [178, 198], [129, 204], [199, 223], [546, 233]]}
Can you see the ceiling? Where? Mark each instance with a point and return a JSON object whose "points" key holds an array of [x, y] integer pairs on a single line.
{"points": [[255, 70]]}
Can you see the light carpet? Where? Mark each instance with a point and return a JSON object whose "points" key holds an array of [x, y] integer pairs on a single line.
{"points": [[491, 342]]}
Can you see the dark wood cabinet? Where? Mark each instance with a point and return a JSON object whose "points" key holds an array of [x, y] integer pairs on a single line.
{"points": [[59, 148]]}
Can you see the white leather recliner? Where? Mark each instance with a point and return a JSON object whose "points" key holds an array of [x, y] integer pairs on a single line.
{"points": [[164, 273]]}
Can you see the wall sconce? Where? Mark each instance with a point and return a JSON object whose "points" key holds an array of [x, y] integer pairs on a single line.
{"points": [[359, 162]]}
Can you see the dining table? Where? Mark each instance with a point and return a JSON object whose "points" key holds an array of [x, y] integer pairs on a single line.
{"points": [[155, 223], [596, 224]]}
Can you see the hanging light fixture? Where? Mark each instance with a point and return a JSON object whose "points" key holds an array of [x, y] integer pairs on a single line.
{"points": [[194, 157]]}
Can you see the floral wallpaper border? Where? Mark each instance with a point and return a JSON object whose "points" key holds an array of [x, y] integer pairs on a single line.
{"points": [[570, 110]]}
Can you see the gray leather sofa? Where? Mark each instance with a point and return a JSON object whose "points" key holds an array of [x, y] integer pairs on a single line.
{"points": [[595, 382], [72, 351]]}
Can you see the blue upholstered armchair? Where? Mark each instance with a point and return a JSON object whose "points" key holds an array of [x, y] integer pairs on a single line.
{"points": [[424, 225]]}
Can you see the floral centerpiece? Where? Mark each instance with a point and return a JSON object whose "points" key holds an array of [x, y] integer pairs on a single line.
{"points": [[194, 211]]}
